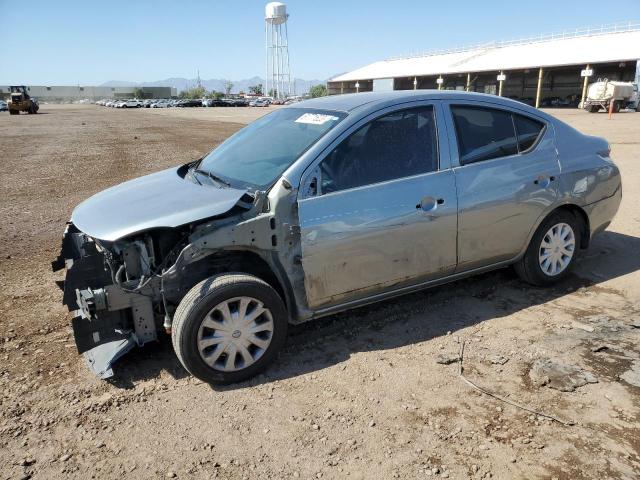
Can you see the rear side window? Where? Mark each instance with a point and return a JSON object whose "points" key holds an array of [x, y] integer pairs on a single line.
{"points": [[528, 131], [486, 133]]}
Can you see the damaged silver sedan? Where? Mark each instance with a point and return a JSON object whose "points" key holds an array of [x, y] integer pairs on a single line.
{"points": [[325, 206]]}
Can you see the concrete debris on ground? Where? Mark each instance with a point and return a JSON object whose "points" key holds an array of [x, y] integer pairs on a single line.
{"points": [[632, 376], [499, 360], [582, 326], [559, 376], [447, 358]]}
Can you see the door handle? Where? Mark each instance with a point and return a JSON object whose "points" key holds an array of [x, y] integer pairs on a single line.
{"points": [[544, 180], [429, 204]]}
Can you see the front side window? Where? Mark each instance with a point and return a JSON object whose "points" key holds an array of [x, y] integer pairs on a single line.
{"points": [[397, 145], [259, 153]]}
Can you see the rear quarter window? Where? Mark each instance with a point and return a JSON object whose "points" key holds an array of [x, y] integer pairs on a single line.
{"points": [[528, 130]]}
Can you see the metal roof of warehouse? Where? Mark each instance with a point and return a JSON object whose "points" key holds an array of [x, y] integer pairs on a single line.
{"points": [[591, 46]]}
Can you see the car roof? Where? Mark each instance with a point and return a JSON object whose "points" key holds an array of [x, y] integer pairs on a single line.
{"points": [[352, 101]]}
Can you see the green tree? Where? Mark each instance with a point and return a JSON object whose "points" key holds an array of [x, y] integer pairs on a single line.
{"points": [[256, 89], [228, 85], [193, 93], [138, 93], [318, 91]]}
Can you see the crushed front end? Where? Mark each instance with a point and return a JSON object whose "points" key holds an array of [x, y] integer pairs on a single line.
{"points": [[111, 291]]}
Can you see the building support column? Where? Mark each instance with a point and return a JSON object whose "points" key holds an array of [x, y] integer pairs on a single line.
{"points": [[468, 82], [500, 84], [357, 86], [539, 90], [341, 88], [440, 81], [415, 83], [585, 82]]}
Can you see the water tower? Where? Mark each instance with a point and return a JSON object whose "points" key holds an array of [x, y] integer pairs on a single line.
{"points": [[278, 75]]}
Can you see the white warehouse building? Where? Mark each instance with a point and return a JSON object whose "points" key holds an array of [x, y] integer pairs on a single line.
{"points": [[68, 93], [542, 71]]}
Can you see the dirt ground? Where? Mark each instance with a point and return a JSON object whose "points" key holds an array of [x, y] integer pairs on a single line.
{"points": [[358, 395]]}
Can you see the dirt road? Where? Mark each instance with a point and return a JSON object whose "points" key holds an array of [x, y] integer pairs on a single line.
{"points": [[358, 395]]}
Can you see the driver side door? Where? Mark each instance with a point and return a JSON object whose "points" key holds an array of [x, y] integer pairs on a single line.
{"points": [[380, 211]]}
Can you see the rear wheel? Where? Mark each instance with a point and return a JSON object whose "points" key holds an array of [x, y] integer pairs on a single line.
{"points": [[616, 106], [13, 112], [594, 109], [229, 327], [552, 251]]}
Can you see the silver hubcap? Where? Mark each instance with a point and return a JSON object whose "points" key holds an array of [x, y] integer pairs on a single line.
{"points": [[235, 334], [556, 249]]}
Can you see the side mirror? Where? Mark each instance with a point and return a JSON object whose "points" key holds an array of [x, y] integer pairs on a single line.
{"points": [[310, 185]]}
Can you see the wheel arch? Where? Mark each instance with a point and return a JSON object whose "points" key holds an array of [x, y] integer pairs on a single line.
{"points": [[246, 261], [577, 211], [581, 215]]}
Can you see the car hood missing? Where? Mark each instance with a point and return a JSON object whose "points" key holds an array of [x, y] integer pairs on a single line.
{"points": [[162, 199]]}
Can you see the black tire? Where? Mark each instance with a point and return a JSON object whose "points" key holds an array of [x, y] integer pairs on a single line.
{"points": [[200, 300], [13, 112], [594, 109], [528, 267], [616, 106]]}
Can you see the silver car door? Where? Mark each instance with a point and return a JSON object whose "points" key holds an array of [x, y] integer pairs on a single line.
{"points": [[505, 181], [382, 223]]}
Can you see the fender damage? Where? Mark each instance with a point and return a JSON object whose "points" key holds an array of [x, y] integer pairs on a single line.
{"points": [[126, 274]]}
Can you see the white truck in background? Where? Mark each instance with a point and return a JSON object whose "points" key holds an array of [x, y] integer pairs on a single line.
{"points": [[603, 93]]}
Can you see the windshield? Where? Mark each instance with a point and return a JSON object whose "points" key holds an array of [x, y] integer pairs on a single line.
{"points": [[259, 153]]}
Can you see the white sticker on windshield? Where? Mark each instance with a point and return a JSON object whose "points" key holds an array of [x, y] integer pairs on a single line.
{"points": [[315, 118]]}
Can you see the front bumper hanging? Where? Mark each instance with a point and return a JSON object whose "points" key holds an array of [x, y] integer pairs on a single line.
{"points": [[108, 321]]}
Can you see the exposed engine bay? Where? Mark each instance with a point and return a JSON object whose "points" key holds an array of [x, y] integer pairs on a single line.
{"points": [[117, 291]]}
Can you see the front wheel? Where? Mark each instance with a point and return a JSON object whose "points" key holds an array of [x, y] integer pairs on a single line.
{"points": [[552, 251], [228, 328]]}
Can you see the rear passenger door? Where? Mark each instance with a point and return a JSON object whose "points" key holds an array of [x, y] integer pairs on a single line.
{"points": [[506, 170]]}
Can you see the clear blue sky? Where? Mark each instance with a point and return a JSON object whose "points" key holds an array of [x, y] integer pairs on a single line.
{"points": [[89, 42]]}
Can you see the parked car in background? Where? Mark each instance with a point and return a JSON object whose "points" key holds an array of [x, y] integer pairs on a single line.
{"points": [[4, 107], [325, 206], [160, 104], [189, 103], [260, 102]]}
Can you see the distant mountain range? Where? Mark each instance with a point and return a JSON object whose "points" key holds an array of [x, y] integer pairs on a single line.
{"points": [[299, 86]]}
